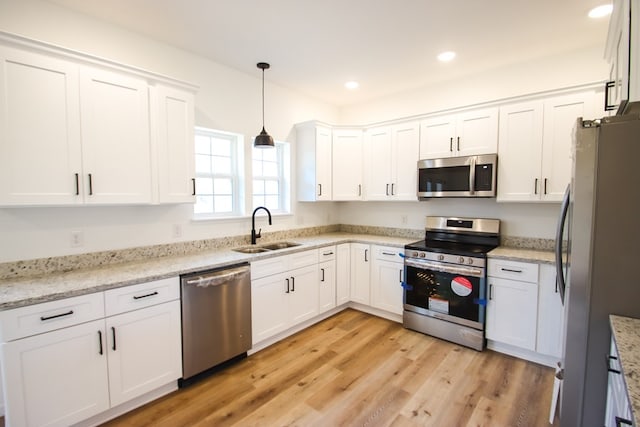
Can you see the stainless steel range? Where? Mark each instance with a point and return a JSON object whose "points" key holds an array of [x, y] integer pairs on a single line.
{"points": [[445, 279]]}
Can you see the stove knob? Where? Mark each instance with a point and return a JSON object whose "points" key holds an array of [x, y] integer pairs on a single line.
{"points": [[470, 261], [461, 260], [415, 255], [422, 255], [440, 257]]}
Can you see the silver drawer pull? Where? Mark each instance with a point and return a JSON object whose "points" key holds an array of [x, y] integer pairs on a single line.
{"points": [[388, 253], [55, 316], [146, 296], [511, 271]]}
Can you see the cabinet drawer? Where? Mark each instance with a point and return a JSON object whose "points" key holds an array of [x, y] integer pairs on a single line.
{"points": [[514, 270], [133, 297], [302, 259], [327, 254], [387, 253], [36, 319], [268, 267]]}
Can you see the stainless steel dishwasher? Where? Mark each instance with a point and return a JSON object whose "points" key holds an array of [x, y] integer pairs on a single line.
{"points": [[216, 318]]}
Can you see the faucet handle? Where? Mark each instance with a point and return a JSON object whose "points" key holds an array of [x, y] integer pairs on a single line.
{"points": [[259, 233]]}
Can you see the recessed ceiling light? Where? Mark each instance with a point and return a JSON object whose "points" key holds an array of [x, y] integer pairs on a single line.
{"points": [[601, 11], [446, 56], [352, 85]]}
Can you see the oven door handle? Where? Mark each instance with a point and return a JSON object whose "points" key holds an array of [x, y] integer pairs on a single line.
{"points": [[444, 268]]}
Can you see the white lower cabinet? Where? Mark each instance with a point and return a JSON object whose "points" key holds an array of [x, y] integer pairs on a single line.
{"points": [[360, 273], [524, 310], [618, 409], [64, 362], [386, 279], [284, 292], [327, 278], [343, 273], [58, 378]]}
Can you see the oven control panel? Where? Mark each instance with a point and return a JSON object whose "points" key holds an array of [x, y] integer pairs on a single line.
{"points": [[448, 258]]}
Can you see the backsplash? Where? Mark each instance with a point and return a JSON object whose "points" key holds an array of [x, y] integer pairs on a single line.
{"points": [[37, 267]]}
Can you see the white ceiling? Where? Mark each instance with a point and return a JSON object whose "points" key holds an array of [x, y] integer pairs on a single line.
{"points": [[315, 46]]}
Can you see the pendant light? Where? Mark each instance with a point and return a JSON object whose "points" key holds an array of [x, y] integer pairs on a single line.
{"points": [[264, 140]]}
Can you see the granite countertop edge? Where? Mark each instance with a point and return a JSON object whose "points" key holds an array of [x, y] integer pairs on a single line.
{"points": [[625, 331], [20, 292]]}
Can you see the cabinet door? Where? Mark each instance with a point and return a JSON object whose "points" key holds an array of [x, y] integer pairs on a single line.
{"points": [[512, 312], [405, 156], [116, 149], [519, 152], [560, 117], [327, 285], [269, 299], [145, 350], [303, 296], [347, 165], [40, 152], [360, 273], [379, 158], [343, 273], [386, 285], [323, 163], [173, 121], [550, 314], [477, 132], [437, 136], [57, 378]]}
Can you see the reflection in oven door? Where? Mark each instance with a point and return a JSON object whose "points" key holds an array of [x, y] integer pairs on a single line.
{"points": [[453, 294]]}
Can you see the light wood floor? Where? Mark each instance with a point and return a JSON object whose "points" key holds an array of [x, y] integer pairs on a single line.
{"points": [[355, 369]]}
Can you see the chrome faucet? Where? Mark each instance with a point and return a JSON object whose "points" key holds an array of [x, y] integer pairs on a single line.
{"points": [[257, 235]]}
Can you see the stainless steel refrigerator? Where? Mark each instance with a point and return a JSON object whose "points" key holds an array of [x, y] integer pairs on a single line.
{"points": [[603, 274]]}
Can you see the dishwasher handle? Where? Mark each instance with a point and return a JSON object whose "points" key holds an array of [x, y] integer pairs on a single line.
{"points": [[216, 278]]}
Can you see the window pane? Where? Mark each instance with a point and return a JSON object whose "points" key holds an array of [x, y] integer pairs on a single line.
{"points": [[258, 186], [204, 186], [270, 155], [203, 144], [222, 186], [221, 147], [257, 153], [258, 201], [203, 164], [272, 202], [257, 168], [270, 169], [271, 187], [223, 204], [221, 165], [204, 204]]}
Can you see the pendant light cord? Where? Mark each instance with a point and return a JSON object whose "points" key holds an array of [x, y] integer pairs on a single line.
{"points": [[263, 98]]}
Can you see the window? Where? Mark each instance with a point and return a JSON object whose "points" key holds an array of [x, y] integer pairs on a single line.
{"points": [[271, 170], [218, 155]]}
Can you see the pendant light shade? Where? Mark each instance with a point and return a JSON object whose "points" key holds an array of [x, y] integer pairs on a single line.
{"points": [[264, 140]]}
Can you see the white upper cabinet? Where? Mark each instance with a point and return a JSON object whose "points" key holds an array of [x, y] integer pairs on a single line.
{"points": [[314, 162], [40, 151], [391, 159], [535, 146], [622, 52], [463, 134], [76, 130], [116, 148], [173, 122], [347, 164]]}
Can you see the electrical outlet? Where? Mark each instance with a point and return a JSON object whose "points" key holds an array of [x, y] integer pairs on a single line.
{"points": [[77, 239], [177, 231], [404, 219]]}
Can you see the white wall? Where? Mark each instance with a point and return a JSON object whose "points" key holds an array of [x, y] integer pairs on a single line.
{"points": [[227, 100]]}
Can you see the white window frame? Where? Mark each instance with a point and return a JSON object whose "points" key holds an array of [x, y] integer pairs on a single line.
{"points": [[283, 152], [236, 175]]}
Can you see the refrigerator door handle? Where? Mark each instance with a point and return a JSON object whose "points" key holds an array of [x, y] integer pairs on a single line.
{"points": [[564, 210]]}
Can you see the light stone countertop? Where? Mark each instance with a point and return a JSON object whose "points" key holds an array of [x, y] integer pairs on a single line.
{"points": [[526, 255], [626, 334], [32, 290]]}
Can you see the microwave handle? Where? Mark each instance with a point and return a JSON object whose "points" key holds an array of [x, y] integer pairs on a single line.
{"points": [[472, 176]]}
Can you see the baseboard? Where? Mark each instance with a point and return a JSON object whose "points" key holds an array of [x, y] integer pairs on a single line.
{"points": [[520, 353]]}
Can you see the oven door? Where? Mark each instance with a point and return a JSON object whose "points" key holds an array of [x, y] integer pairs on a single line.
{"points": [[451, 292]]}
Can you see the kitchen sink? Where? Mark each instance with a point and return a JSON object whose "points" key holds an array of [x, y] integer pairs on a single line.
{"points": [[267, 247], [279, 245]]}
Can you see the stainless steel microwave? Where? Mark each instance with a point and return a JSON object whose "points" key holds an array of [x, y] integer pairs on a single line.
{"points": [[469, 176]]}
